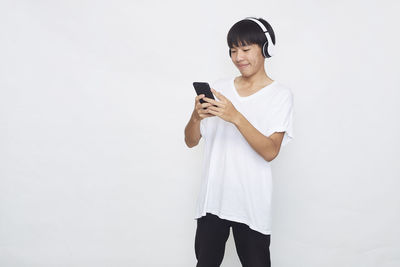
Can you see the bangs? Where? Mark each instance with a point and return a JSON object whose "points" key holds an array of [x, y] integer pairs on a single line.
{"points": [[247, 32]]}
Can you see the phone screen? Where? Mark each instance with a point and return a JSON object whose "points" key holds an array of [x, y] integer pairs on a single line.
{"points": [[203, 88]]}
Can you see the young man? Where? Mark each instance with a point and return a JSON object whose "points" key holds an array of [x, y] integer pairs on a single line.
{"points": [[252, 119]]}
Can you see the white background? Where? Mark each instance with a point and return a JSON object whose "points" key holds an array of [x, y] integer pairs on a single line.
{"points": [[94, 98]]}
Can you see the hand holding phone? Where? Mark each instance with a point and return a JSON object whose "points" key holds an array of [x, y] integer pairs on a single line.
{"points": [[202, 88]]}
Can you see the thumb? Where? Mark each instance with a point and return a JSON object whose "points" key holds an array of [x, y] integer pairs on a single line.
{"points": [[216, 93], [219, 95]]}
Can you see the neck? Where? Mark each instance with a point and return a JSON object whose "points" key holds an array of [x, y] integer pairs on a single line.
{"points": [[260, 77]]}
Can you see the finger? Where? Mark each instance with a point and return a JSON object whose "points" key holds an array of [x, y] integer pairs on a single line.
{"points": [[200, 109], [206, 104], [214, 108], [203, 107], [199, 97], [215, 93], [207, 115], [212, 112], [212, 101], [219, 95], [204, 113]]}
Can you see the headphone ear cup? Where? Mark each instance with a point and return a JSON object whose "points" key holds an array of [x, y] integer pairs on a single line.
{"points": [[270, 47], [271, 50], [265, 50]]}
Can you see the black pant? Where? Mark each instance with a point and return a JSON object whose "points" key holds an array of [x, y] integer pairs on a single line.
{"points": [[212, 233]]}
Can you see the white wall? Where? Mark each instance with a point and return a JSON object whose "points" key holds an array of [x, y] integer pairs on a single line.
{"points": [[94, 98]]}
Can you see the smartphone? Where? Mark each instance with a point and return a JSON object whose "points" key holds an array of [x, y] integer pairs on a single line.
{"points": [[203, 88]]}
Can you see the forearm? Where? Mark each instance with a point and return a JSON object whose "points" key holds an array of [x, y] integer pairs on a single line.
{"points": [[263, 145], [192, 132]]}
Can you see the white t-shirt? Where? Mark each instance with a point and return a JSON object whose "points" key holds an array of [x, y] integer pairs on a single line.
{"points": [[236, 181]]}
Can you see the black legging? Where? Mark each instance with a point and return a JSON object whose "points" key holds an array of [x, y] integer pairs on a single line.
{"points": [[212, 233]]}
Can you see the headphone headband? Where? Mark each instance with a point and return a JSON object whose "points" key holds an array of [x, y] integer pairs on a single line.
{"points": [[270, 45], [259, 23]]}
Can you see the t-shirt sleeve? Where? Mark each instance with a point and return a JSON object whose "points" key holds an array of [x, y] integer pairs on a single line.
{"points": [[282, 119]]}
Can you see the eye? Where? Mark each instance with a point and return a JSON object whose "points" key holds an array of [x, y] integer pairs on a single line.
{"points": [[246, 50]]}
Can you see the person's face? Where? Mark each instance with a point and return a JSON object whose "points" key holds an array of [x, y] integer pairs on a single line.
{"points": [[248, 59]]}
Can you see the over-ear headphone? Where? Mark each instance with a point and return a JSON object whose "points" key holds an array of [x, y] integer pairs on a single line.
{"points": [[268, 48]]}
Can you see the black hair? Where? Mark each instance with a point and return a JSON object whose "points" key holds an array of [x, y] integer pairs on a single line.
{"points": [[247, 32]]}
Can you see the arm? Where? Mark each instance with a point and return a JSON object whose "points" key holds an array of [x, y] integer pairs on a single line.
{"points": [[267, 147], [192, 129], [192, 132]]}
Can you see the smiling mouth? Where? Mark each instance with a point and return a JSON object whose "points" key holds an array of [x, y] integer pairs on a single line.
{"points": [[242, 66]]}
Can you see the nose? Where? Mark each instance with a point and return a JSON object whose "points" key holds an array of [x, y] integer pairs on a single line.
{"points": [[238, 55]]}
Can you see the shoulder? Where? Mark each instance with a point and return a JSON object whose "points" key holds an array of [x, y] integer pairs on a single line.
{"points": [[283, 92]]}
